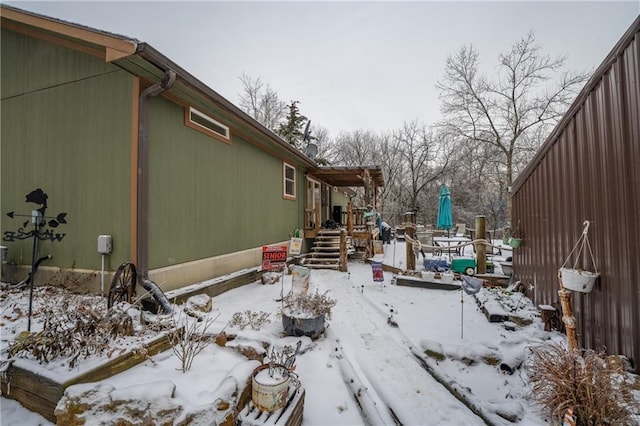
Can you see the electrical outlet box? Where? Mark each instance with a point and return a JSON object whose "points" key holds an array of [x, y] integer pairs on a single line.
{"points": [[105, 244]]}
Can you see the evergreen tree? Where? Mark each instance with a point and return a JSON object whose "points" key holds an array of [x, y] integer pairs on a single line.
{"points": [[292, 130]]}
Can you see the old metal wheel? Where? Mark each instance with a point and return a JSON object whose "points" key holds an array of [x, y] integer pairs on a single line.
{"points": [[123, 285]]}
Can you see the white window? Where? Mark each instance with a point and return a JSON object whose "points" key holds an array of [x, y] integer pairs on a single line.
{"points": [[289, 181], [201, 122]]}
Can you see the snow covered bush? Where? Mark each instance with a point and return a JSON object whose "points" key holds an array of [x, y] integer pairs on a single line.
{"points": [[598, 392], [306, 305], [191, 339], [248, 318], [74, 328]]}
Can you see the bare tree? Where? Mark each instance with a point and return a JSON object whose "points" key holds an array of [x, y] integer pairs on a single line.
{"points": [[476, 184], [356, 148], [261, 102], [515, 109], [393, 168], [425, 157], [322, 138]]}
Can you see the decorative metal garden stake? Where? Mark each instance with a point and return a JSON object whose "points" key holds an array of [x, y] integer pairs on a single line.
{"points": [[469, 285], [461, 315], [36, 218], [39, 197]]}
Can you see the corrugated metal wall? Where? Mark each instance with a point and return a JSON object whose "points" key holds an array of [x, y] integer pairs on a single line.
{"points": [[589, 169]]}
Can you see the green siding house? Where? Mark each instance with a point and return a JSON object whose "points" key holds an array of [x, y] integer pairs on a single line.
{"points": [[121, 141]]}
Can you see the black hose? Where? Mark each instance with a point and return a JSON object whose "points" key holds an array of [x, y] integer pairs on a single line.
{"points": [[27, 280]]}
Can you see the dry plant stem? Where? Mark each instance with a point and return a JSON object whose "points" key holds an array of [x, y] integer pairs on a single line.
{"points": [[192, 340], [74, 329], [563, 378], [249, 318], [315, 304]]}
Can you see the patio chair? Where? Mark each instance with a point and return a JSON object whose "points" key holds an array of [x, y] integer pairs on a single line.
{"points": [[443, 248], [461, 229], [426, 239]]}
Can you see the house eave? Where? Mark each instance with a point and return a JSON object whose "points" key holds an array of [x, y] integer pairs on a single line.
{"points": [[110, 46], [189, 83], [144, 61]]}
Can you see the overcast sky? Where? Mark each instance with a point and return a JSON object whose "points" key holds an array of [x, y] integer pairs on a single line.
{"points": [[352, 65]]}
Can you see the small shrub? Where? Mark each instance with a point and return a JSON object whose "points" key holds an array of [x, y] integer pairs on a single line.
{"points": [[190, 340], [308, 305], [75, 328], [255, 320], [598, 393]]}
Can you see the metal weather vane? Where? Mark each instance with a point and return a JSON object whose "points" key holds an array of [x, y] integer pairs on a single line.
{"points": [[38, 219]]}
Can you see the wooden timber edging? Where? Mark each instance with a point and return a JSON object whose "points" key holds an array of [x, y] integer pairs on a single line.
{"points": [[388, 268], [432, 285], [219, 285], [494, 280], [41, 394], [213, 287]]}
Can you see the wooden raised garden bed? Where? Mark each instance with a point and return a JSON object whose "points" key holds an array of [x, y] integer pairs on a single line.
{"points": [[41, 394]]}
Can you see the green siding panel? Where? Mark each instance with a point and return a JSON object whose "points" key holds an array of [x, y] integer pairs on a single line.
{"points": [[66, 128], [208, 198]]}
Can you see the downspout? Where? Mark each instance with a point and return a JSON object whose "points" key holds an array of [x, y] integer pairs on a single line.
{"points": [[143, 171]]}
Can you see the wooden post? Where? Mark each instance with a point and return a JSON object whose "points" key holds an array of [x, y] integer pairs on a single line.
{"points": [[481, 248], [567, 316], [350, 218], [342, 265], [410, 232]]}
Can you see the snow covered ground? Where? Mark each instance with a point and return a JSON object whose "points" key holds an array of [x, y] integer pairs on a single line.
{"points": [[376, 341]]}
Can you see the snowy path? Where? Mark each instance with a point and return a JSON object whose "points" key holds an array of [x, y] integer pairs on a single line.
{"points": [[386, 364]]}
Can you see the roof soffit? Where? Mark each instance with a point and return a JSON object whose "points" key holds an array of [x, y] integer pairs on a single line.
{"points": [[109, 46], [348, 176]]}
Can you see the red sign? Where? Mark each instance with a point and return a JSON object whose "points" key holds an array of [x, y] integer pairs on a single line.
{"points": [[376, 268], [274, 257]]}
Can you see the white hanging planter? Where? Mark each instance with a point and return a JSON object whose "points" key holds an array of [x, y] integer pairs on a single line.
{"points": [[576, 280]]}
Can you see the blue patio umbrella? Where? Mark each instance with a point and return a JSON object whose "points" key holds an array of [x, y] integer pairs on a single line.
{"points": [[445, 216]]}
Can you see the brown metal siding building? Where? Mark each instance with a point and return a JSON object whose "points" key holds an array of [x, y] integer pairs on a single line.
{"points": [[589, 169]]}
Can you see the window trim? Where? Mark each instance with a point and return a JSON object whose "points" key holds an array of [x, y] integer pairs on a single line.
{"points": [[226, 138], [285, 195]]}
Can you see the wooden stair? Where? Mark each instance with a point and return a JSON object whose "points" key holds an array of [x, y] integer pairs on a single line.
{"points": [[325, 253]]}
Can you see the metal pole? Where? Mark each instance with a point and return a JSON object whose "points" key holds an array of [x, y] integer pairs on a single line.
{"points": [[102, 278], [34, 255], [461, 315]]}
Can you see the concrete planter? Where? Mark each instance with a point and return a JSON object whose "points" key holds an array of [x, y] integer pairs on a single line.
{"points": [[297, 326]]}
